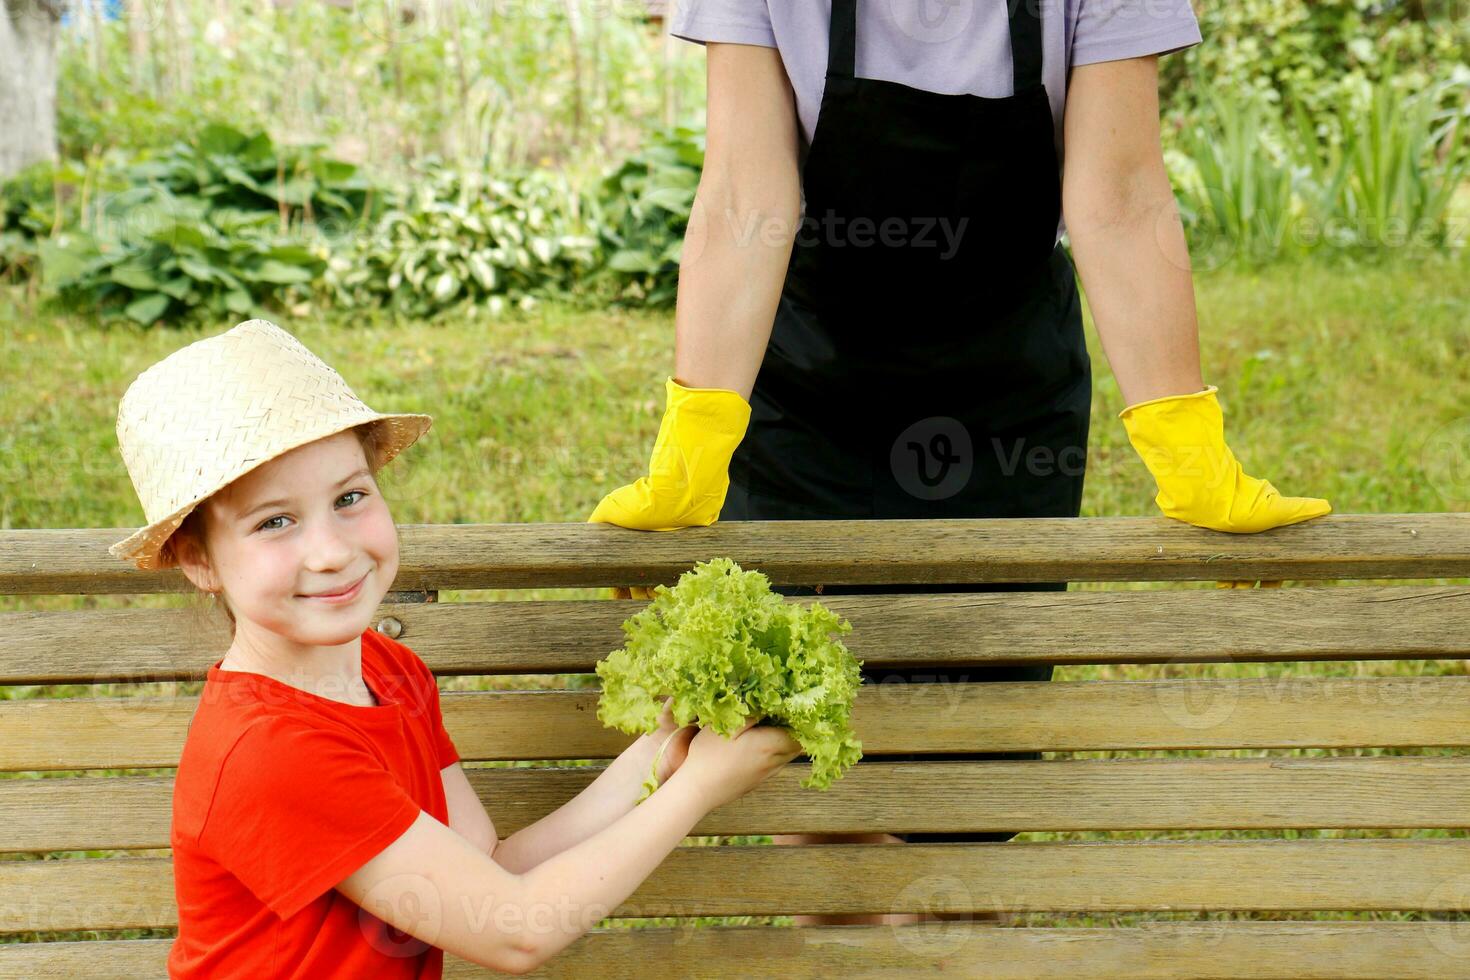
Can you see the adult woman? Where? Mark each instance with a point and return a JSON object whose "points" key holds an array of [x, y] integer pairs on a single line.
{"points": [[875, 318]]}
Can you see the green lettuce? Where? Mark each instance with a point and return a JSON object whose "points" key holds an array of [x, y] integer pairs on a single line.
{"points": [[726, 649]]}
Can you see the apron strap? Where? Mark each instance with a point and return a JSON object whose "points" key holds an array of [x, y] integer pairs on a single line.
{"points": [[1026, 41], [842, 39], [1025, 26]]}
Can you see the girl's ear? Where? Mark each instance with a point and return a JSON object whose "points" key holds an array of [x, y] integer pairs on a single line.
{"points": [[193, 562]]}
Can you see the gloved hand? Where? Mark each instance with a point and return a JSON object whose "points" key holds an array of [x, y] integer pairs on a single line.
{"points": [[1181, 439], [689, 470]]}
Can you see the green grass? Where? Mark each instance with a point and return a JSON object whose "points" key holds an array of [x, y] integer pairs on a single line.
{"points": [[1346, 382], [1332, 380]]}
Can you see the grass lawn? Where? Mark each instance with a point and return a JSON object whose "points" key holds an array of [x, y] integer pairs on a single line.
{"points": [[1333, 381], [1348, 383]]}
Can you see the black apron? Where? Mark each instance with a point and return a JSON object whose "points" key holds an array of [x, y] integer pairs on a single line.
{"points": [[927, 358]]}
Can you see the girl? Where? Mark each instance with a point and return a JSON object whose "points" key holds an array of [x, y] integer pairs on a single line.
{"points": [[322, 825]]}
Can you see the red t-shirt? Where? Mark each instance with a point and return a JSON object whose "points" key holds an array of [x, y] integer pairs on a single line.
{"points": [[281, 794]]}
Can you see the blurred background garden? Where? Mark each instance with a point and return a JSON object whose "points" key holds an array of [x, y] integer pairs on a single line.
{"points": [[475, 209]]}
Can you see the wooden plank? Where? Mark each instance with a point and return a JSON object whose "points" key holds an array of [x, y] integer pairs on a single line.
{"points": [[909, 631], [993, 795], [508, 556], [1058, 716], [1079, 878], [1158, 951]]}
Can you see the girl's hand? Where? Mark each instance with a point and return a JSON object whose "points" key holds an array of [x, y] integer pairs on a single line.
{"points": [[725, 768], [675, 741]]}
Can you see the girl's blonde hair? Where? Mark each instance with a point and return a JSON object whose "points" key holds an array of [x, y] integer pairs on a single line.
{"points": [[194, 529]]}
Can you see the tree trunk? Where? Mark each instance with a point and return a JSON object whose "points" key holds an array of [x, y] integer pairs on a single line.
{"points": [[97, 26], [140, 63], [28, 33], [181, 47]]}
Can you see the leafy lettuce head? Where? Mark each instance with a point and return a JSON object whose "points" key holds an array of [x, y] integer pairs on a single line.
{"points": [[726, 648]]}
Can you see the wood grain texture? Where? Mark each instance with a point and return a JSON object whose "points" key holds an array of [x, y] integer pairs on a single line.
{"points": [[991, 795], [909, 631], [1087, 877], [1162, 951], [915, 632], [506, 556], [1057, 716]]}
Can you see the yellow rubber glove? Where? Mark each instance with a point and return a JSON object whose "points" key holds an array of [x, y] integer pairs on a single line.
{"points": [[1181, 439], [688, 471]]}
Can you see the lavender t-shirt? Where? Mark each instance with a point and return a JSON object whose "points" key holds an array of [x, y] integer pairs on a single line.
{"points": [[951, 46]]}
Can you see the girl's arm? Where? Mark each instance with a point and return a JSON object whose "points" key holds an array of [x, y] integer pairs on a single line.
{"points": [[611, 795], [438, 887], [441, 889]]}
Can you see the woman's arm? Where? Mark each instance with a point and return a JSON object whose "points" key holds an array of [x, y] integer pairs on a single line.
{"points": [[1134, 263], [736, 249], [743, 221], [1125, 230]]}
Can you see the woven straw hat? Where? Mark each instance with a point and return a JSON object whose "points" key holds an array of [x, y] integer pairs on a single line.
{"points": [[213, 411]]}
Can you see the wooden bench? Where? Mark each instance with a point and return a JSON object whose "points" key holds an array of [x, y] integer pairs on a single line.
{"points": [[1419, 882]]}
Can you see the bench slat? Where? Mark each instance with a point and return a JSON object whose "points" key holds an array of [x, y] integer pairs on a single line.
{"points": [[1159, 951], [508, 556], [1050, 795], [1075, 627], [1058, 716], [1266, 876]]}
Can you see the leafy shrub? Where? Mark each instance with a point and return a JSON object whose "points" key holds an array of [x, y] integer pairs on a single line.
{"points": [[28, 206], [451, 238], [224, 224], [1252, 185], [644, 209], [1394, 185], [1317, 55]]}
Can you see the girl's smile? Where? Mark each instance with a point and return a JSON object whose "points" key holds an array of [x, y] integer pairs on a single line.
{"points": [[340, 598]]}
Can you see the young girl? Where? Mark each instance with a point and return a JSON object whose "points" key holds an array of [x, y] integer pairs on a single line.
{"points": [[322, 825]]}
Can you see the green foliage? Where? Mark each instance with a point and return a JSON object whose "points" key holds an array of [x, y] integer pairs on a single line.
{"points": [[1252, 185], [1316, 55], [34, 203], [222, 225], [726, 649], [28, 205], [1234, 183], [644, 211], [454, 238], [101, 112], [503, 87], [232, 223], [29, 200], [1393, 188], [232, 170]]}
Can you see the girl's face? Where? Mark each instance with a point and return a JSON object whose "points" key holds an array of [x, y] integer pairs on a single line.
{"points": [[308, 522]]}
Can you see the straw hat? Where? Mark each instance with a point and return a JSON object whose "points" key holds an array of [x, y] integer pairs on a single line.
{"points": [[213, 411]]}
